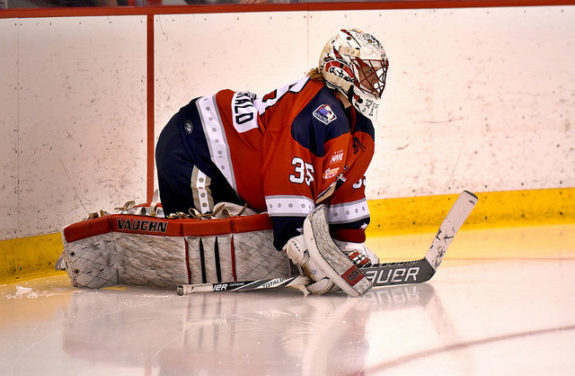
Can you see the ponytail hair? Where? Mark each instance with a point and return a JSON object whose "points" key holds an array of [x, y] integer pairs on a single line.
{"points": [[315, 74]]}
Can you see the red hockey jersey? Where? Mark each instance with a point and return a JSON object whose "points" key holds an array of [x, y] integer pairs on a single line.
{"points": [[290, 150]]}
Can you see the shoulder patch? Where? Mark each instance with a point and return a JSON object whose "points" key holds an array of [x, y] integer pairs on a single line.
{"points": [[325, 114], [321, 120]]}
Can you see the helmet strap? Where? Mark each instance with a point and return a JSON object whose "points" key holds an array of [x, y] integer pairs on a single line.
{"points": [[337, 81]]}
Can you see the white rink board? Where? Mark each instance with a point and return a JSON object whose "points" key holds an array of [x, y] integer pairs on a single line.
{"points": [[8, 129], [200, 54], [81, 118], [478, 99]]}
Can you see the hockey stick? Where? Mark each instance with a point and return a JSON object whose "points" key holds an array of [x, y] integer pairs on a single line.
{"points": [[243, 285], [385, 274]]}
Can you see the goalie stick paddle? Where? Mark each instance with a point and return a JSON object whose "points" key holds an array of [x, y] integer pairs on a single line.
{"points": [[418, 271], [384, 274]]}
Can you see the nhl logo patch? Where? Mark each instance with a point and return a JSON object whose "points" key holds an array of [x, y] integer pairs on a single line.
{"points": [[325, 114]]}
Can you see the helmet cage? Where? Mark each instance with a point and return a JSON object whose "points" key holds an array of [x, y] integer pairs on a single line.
{"points": [[370, 75]]}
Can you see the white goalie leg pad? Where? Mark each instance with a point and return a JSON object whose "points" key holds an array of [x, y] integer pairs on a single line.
{"points": [[332, 262]]}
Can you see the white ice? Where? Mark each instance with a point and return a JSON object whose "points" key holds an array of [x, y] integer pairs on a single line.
{"points": [[502, 303]]}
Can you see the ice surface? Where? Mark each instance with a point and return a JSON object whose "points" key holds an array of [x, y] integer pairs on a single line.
{"points": [[500, 304]]}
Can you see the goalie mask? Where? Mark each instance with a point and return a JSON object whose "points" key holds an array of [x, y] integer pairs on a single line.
{"points": [[355, 63]]}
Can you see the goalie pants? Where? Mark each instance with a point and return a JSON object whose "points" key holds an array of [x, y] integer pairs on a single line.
{"points": [[187, 178]]}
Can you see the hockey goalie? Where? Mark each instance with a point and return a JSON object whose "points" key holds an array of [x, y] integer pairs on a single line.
{"points": [[299, 154]]}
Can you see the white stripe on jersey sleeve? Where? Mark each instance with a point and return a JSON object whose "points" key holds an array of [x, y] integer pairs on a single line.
{"points": [[295, 87], [347, 212], [216, 137], [289, 206]]}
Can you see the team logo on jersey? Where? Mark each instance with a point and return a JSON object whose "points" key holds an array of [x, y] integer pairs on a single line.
{"points": [[336, 157], [325, 114], [330, 173]]}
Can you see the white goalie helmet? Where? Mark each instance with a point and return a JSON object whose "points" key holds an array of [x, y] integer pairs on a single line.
{"points": [[355, 63]]}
